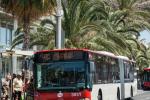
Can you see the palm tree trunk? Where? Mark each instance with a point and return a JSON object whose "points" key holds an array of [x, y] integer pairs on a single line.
{"points": [[26, 33]]}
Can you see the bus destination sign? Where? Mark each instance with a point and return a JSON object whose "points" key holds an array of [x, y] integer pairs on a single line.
{"points": [[44, 57]]}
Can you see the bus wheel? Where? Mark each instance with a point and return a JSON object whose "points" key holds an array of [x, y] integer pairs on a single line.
{"points": [[118, 94], [100, 95]]}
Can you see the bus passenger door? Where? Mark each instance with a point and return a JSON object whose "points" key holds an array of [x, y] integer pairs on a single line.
{"points": [[121, 66], [91, 74]]}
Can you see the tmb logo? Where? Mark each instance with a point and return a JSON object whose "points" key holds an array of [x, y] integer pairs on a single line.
{"points": [[60, 94]]}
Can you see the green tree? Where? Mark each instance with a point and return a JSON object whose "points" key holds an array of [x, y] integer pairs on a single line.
{"points": [[76, 20], [137, 14], [41, 36], [26, 11], [98, 26], [92, 24], [85, 20]]}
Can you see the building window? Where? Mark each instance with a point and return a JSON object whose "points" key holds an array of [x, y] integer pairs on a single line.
{"points": [[5, 36]]}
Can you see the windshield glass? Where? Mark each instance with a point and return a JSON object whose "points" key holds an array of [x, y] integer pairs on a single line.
{"points": [[60, 74], [147, 76]]}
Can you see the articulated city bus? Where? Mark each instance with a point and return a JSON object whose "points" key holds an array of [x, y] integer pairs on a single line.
{"points": [[146, 78], [81, 74]]}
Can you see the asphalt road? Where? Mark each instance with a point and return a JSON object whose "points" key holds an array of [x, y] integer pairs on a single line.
{"points": [[142, 95]]}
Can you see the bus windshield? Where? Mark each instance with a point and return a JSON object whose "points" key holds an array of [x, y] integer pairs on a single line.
{"points": [[147, 76], [60, 74]]}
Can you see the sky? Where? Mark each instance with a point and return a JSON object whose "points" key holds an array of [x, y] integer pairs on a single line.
{"points": [[145, 35]]}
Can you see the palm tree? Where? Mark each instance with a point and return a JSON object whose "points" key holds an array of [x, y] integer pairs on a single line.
{"points": [[26, 11], [95, 28], [85, 20], [41, 36], [142, 58], [77, 20], [136, 18], [134, 12], [103, 26], [94, 25]]}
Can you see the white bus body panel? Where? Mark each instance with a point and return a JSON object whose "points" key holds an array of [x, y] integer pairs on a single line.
{"points": [[109, 91], [135, 87], [128, 89]]}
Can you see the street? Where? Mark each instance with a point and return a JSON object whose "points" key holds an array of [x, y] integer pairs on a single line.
{"points": [[142, 95]]}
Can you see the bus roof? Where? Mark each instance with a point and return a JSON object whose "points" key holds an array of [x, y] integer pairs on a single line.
{"points": [[123, 57], [105, 53], [58, 50]]}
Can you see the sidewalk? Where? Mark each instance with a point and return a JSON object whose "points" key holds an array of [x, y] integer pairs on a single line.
{"points": [[140, 92]]}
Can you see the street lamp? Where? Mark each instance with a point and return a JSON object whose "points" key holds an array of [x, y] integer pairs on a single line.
{"points": [[58, 31]]}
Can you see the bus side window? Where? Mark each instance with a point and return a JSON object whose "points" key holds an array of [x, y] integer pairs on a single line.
{"points": [[128, 71], [131, 74], [92, 71], [115, 70], [92, 67]]}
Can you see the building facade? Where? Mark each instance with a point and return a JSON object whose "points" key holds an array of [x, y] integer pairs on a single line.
{"points": [[9, 63], [6, 34]]}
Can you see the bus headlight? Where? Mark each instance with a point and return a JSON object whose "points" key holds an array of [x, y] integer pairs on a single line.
{"points": [[85, 99]]}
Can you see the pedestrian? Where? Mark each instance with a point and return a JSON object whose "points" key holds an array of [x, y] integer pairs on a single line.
{"points": [[5, 87], [18, 87], [11, 83]]}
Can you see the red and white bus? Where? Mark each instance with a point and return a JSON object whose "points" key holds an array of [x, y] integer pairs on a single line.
{"points": [[146, 78], [81, 74]]}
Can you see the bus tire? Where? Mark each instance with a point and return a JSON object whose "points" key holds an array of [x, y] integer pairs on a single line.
{"points": [[118, 94], [100, 96], [131, 94]]}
